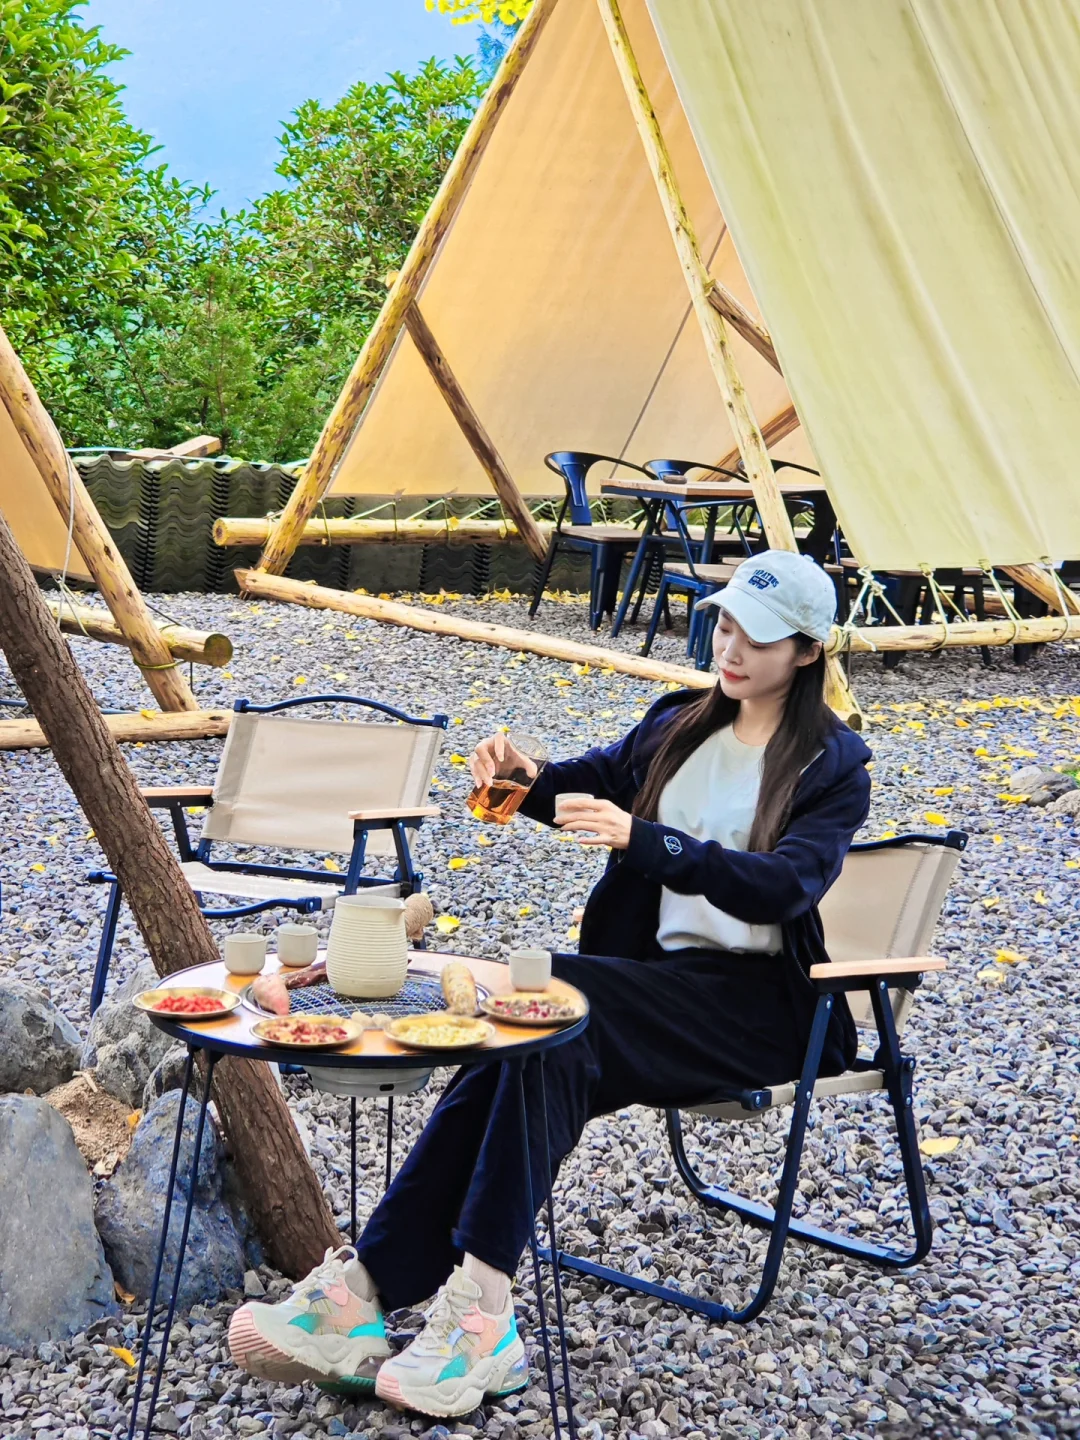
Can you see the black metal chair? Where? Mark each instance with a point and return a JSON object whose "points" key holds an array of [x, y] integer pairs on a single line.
{"points": [[607, 545]]}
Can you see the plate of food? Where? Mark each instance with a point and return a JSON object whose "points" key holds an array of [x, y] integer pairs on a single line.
{"points": [[308, 1032], [440, 1030], [535, 1007], [187, 1002]]}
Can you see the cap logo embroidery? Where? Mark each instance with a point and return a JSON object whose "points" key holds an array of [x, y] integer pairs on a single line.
{"points": [[672, 844], [763, 580]]}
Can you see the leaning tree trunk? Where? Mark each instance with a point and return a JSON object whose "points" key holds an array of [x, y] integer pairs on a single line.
{"points": [[282, 1192]]}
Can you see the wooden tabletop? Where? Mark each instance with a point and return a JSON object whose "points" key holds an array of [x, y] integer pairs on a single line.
{"points": [[706, 489], [374, 1050]]}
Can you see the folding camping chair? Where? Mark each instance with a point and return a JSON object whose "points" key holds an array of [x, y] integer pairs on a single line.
{"points": [[287, 782], [884, 906]]}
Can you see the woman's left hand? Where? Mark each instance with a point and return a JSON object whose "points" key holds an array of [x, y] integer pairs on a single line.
{"points": [[607, 824]]}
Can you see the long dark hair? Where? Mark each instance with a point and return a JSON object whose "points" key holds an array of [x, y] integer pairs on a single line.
{"points": [[797, 740]]}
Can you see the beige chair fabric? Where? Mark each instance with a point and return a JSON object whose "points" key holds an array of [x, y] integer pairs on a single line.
{"points": [[260, 887], [291, 782], [884, 903]]}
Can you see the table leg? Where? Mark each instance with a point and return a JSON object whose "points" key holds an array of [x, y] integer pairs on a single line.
{"points": [[352, 1167], [389, 1140], [652, 512], [553, 1242], [163, 1243], [541, 1309]]}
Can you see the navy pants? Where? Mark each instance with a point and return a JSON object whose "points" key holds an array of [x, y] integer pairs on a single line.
{"points": [[688, 1027]]}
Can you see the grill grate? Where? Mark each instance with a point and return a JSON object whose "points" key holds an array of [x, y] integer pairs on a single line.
{"points": [[420, 995]]}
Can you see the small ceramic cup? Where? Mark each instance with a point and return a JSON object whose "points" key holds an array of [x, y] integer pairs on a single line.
{"points": [[561, 799], [530, 969], [297, 945], [244, 954]]}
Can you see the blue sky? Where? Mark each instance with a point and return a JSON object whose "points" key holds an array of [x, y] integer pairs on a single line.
{"points": [[212, 80]]}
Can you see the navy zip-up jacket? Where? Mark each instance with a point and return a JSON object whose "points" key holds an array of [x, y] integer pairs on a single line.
{"points": [[782, 886]]}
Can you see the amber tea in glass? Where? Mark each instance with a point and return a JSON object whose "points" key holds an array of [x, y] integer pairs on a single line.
{"points": [[497, 802]]}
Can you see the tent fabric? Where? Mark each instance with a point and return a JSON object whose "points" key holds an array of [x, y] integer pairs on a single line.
{"points": [[902, 180], [27, 506], [557, 296]]}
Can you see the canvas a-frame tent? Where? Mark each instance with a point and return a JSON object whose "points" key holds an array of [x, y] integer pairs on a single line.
{"points": [[547, 275]]}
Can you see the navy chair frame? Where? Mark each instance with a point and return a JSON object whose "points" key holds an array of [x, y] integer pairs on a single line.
{"points": [[606, 554], [899, 1070], [405, 874]]}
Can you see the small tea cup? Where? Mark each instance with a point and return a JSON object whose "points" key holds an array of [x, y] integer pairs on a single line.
{"points": [[297, 945], [530, 969], [244, 954]]}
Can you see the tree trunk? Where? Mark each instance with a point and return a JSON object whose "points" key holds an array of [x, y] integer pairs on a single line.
{"points": [[280, 1186]]}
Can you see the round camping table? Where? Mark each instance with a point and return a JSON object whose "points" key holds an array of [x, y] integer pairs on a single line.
{"points": [[373, 1053]]}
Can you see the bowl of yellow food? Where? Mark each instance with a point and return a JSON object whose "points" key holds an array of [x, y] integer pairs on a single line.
{"points": [[440, 1031]]}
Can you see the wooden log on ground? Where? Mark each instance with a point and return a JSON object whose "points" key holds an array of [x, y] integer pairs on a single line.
{"points": [[354, 531], [472, 427], [95, 544], [201, 647], [147, 727], [703, 296], [350, 404], [866, 640], [416, 617], [281, 1189]]}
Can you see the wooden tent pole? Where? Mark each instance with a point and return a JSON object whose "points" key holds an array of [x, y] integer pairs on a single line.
{"points": [[434, 622], [345, 416], [359, 530], [731, 308], [281, 1189], [755, 456], [1039, 583], [471, 426], [96, 546], [200, 647]]}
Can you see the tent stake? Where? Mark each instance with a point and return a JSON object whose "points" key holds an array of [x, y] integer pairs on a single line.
{"points": [[93, 541], [350, 404], [770, 503], [471, 426]]}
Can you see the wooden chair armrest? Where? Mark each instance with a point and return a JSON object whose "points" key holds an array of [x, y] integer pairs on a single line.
{"points": [[845, 969], [161, 795], [395, 812]]}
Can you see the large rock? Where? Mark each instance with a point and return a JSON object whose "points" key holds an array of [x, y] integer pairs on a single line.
{"points": [[168, 1074], [124, 1045], [39, 1047], [1040, 784], [131, 1205], [1067, 804], [54, 1279]]}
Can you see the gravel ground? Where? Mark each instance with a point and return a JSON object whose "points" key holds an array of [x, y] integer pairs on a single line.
{"points": [[979, 1340]]}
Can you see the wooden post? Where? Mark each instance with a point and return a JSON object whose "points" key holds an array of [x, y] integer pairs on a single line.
{"points": [[281, 1189], [772, 432], [95, 544], [356, 530], [472, 428], [433, 622], [153, 726], [1039, 583], [752, 448], [739, 318], [197, 646], [345, 416], [1039, 630]]}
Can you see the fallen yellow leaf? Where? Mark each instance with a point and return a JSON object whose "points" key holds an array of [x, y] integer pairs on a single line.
{"points": [[133, 1119], [460, 862], [459, 759], [484, 840], [940, 1145], [300, 680], [934, 817], [447, 924], [124, 1296], [123, 1353], [148, 714], [1013, 799], [574, 933], [1040, 898], [1009, 957], [992, 975], [991, 901], [1069, 864], [331, 864], [39, 868], [525, 910], [942, 790], [998, 839]]}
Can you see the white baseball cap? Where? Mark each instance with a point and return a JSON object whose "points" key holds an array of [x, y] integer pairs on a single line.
{"points": [[776, 594]]}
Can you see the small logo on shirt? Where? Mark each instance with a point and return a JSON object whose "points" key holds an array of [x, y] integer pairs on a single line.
{"points": [[763, 580], [672, 844]]}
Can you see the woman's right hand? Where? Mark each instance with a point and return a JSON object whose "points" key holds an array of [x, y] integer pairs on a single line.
{"points": [[492, 755]]}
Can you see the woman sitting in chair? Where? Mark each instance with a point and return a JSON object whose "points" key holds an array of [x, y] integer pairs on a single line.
{"points": [[728, 814]]}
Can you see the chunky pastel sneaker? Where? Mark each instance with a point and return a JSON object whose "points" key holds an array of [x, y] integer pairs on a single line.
{"points": [[324, 1331], [460, 1356]]}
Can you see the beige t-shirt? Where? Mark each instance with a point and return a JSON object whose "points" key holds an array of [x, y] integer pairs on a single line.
{"points": [[713, 796]]}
